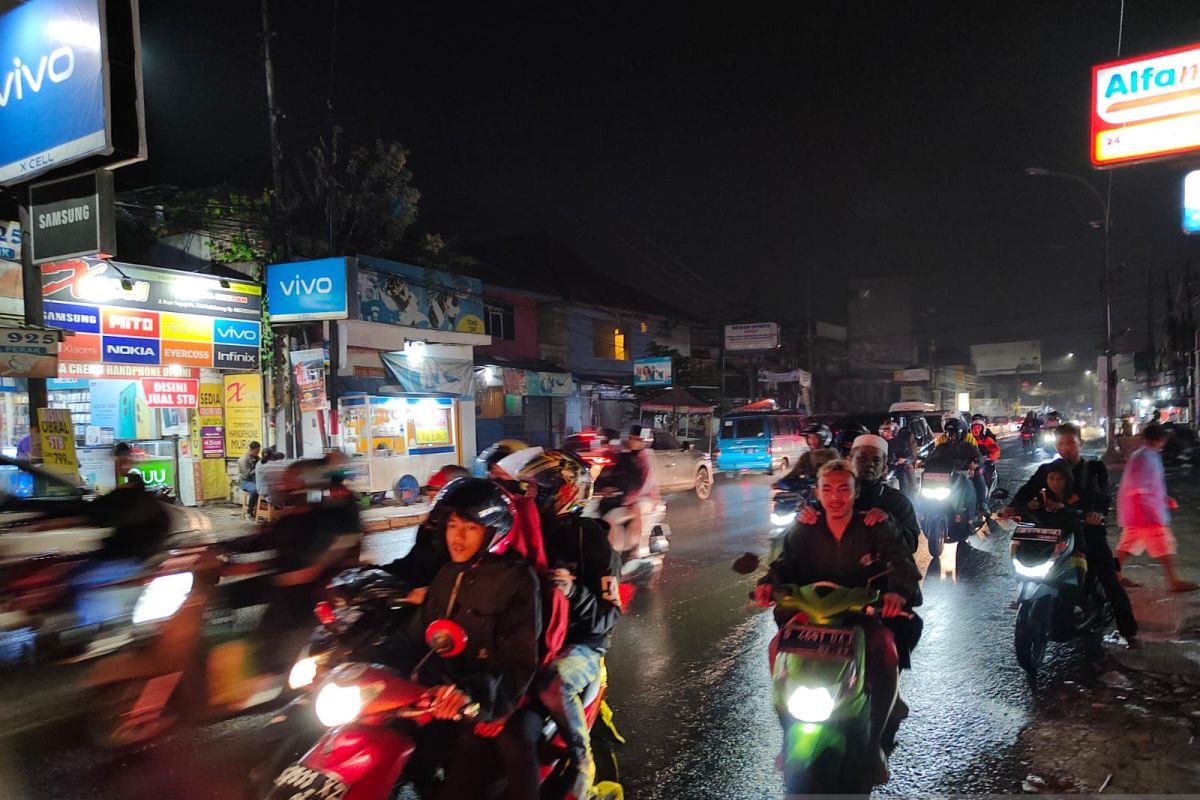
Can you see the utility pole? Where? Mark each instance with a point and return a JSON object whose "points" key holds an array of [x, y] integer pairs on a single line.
{"points": [[31, 278], [277, 204]]}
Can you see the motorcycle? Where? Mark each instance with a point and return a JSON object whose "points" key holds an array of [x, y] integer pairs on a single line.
{"points": [[945, 505], [202, 628], [1054, 604], [789, 495], [1029, 443], [372, 715], [641, 560]]}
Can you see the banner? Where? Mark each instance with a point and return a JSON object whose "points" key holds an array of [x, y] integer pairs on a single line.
{"points": [[799, 376], [58, 441], [516, 382], [171, 392], [212, 441], [548, 384], [655, 371], [243, 413], [418, 297], [209, 423], [308, 370], [432, 375]]}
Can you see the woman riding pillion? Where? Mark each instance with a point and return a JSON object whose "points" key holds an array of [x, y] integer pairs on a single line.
{"points": [[840, 547]]}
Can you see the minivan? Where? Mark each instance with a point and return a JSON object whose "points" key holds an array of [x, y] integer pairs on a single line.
{"points": [[760, 441]]}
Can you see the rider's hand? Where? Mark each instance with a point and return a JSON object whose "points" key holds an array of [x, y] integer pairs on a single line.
{"points": [[1171, 504], [893, 604], [1051, 505], [416, 596], [447, 702], [764, 594], [1094, 518], [807, 515], [1006, 512], [564, 581], [875, 516]]}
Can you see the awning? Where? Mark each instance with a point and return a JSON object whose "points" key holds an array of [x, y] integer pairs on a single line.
{"points": [[679, 400], [526, 377]]}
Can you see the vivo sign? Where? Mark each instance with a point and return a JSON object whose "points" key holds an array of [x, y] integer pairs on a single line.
{"points": [[52, 89], [307, 290]]}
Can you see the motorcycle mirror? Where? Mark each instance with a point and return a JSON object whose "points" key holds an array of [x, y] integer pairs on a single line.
{"points": [[746, 564], [446, 638]]}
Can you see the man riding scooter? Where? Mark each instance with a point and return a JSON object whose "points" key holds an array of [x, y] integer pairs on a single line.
{"points": [[902, 453], [989, 448], [960, 447], [630, 492]]}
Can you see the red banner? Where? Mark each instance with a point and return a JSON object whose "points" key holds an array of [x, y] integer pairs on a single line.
{"points": [[171, 392]]}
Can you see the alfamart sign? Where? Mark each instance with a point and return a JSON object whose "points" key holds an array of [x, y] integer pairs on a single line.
{"points": [[1146, 107]]}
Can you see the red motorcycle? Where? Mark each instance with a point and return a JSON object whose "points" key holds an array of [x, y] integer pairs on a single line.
{"points": [[372, 714]]}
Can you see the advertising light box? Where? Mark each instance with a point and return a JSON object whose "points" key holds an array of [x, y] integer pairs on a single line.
{"points": [[1146, 107], [307, 290]]}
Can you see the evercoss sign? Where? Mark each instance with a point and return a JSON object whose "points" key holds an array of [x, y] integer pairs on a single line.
{"points": [[307, 290]]}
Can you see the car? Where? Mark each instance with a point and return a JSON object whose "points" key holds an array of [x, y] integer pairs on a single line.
{"points": [[677, 467]]}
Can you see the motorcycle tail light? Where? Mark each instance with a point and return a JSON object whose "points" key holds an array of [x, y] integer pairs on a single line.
{"points": [[324, 613]]}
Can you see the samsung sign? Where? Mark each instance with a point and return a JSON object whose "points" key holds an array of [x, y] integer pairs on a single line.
{"points": [[307, 290], [52, 87]]}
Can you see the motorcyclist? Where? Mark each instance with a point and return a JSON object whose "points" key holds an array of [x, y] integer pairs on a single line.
{"points": [[840, 547], [1090, 480], [843, 440], [428, 553], [902, 450], [495, 598], [818, 437], [960, 447], [630, 488], [989, 448], [585, 569]]}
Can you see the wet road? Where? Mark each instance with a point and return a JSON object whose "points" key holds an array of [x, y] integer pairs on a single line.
{"points": [[689, 683]]}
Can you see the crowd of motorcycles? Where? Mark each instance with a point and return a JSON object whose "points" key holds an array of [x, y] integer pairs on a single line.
{"points": [[198, 637]]}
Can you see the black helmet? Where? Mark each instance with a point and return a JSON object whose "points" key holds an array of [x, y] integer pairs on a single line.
{"points": [[482, 502], [979, 418], [953, 428], [843, 440], [820, 430], [563, 481]]}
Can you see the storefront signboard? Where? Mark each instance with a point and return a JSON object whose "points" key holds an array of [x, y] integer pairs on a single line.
{"points": [[125, 314], [243, 413], [212, 441], [58, 441], [155, 472], [395, 293], [28, 353], [72, 217], [69, 370], [171, 392], [307, 290]]}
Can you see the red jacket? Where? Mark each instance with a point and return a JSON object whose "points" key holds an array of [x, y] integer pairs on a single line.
{"points": [[989, 447]]}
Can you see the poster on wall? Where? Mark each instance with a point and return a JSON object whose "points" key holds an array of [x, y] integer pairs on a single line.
{"points": [[58, 441], [243, 413], [171, 392], [212, 441], [395, 293], [308, 370]]}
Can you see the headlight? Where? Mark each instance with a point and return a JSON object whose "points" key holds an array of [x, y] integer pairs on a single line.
{"points": [[303, 673], [162, 597], [811, 705], [339, 705], [1039, 571], [1048, 438], [936, 493], [783, 519]]}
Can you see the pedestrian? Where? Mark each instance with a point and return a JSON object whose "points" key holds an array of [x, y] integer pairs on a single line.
{"points": [[246, 466], [1144, 508]]}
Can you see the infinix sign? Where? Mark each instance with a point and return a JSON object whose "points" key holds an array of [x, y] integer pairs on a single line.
{"points": [[307, 290], [52, 87]]}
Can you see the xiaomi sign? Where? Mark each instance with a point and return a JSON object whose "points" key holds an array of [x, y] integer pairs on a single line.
{"points": [[1146, 107]]}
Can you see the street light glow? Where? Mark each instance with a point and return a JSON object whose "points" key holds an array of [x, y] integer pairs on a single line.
{"points": [[1070, 355]]}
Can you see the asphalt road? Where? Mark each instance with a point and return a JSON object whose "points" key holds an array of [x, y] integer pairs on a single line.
{"points": [[689, 683]]}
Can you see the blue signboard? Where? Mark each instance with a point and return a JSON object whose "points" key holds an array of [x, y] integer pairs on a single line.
{"points": [[236, 331], [654, 371], [307, 290], [1191, 202], [395, 293], [130, 350], [52, 87]]}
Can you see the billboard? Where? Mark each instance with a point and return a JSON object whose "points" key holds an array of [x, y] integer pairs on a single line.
{"points": [[395, 293], [307, 290], [1146, 107], [752, 336], [1007, 358], [126, 314], [652, 371], [52, 87]]}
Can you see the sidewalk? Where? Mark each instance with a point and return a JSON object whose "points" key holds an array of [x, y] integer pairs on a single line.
{"points": [[1130, 724]]}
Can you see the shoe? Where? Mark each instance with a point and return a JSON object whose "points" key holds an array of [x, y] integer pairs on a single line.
{"points": [[900, 711], [585, 776], [883, 772]]}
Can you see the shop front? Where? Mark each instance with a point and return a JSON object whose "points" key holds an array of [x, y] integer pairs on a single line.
{"points": [[165, 361]]}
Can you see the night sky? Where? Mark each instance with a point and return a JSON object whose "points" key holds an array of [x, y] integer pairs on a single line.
{"points": [[743, 144]]}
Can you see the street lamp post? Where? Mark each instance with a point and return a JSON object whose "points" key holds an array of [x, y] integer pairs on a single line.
{"points": [[1110, 385]]}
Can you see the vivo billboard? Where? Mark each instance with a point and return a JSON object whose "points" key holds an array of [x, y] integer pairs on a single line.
{"points": [[52, 87], [307, 290]]}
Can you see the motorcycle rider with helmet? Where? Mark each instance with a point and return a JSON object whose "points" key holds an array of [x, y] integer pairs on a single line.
{"points": [[843, 440], [818, 437], [989, 448], [957, 445], [840, 547], [631, 488], [492, 592], [585, 569], [902, 450]]}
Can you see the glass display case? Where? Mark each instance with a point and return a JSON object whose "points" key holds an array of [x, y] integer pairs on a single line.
{"points": [[387, 437]]}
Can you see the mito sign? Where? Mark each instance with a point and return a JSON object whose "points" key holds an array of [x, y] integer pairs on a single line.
{"points": [[1146, 107]]}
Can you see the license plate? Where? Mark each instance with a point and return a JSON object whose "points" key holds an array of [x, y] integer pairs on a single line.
{"points": [[831, 642], [301, 783], [1036, 534], [936, 477]]}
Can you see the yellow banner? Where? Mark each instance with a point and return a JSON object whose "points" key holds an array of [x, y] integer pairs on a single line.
{"points": [[243, 413], [186, 327], [58, 441], [211, 414]]}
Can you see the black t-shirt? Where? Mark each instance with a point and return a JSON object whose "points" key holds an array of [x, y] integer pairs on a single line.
{"points": [[139, 520]]}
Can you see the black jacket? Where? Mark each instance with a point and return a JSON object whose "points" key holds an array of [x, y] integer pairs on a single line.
{"points": [[427, 556], [498, 603], [1091, 485], [581, 546], [896, 504], [140, 522], [811, 553]]}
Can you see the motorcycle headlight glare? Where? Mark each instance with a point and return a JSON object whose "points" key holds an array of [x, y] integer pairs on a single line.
{"points": [[1048, 438], [811, 705], [936, 492], [1037, 571], [783, 519], [303, 673], [162, 597]]}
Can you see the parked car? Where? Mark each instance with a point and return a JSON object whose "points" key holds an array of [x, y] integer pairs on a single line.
{"points": [[760, 441], [677, 467]]}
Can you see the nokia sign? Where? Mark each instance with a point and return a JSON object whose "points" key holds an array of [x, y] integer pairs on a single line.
{"points": [[307, 290], [52, 89]]}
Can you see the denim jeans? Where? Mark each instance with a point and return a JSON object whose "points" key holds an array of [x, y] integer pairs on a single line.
{"points": [[576, 668], [250, 488]]}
